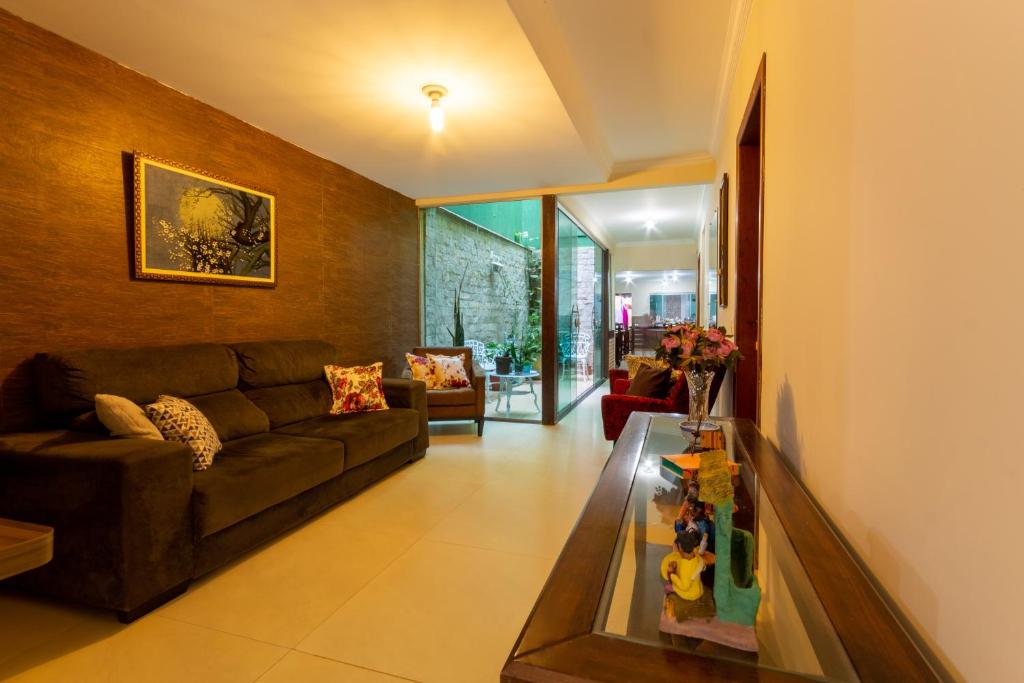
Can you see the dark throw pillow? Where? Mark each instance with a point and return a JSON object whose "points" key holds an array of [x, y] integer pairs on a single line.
{"points": [[651, 382]]}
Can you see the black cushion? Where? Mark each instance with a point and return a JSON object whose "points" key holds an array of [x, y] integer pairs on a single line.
{"points": [[651, 382], [67, 382], [290, 403], [270, 363], [257, 472], [365, 435], [232, 415]]}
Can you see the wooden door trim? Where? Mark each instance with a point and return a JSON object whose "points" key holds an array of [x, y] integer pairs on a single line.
{"points": [[750, 152]]}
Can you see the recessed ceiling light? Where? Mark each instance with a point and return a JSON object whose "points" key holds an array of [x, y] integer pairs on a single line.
{"points": [[435, 93], [650, 224]]}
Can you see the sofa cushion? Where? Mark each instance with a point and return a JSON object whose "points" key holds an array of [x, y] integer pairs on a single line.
{"points": [[272, 363], [124, 419], [179, 420], [257, 472], [67, 381], [451, 397], [651, 381], [365, 435], [232, 415], [358, 389], [290, 403]]}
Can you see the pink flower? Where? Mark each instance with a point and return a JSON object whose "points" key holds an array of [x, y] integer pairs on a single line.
{"points": [[669, 342], [687, 347], [714, 335]]}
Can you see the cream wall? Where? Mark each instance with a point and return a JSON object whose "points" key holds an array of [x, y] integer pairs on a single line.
{"points": [[667, 255], [891, 297]]}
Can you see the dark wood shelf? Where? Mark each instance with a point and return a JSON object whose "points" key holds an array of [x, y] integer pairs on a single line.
{"points": [[560, 641]]}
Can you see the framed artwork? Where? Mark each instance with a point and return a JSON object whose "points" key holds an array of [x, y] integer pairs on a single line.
{"points": [[723, 242], [192, 226]]}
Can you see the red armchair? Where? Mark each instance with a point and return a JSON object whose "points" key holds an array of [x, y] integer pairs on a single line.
{"points": [[617, 406]]}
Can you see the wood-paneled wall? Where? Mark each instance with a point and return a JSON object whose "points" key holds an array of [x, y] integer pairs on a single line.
{"points": [[348, 248]]}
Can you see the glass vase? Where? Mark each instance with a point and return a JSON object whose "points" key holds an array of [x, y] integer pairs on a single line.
{"points": [[698, 382]]}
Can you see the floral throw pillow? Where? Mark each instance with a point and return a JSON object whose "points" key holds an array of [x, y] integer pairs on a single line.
{"points": [[448, 372], [358, 389], [420, 368], [179, 420]]}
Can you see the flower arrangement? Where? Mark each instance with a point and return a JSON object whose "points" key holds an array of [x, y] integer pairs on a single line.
{"points": [[692, 347]]}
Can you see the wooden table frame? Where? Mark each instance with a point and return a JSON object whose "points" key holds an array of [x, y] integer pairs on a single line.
{"points": [[558, 644]]}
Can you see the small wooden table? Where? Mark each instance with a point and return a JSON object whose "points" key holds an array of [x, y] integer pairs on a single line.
{"points": [[23, 546]]}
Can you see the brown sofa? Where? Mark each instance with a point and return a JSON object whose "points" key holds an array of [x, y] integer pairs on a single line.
{"points": [[133, 523], [457, 404]]}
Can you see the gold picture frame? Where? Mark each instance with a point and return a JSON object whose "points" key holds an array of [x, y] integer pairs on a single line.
{"points": [[194, 226]]}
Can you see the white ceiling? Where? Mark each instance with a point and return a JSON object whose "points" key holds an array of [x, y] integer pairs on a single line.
{"points": [[619, 217], [673, 277], [541, 94]]}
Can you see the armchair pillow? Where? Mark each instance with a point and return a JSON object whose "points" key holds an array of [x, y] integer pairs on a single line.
{"points": [[420, 369], [651, 382], [179, 420], [358, 389], [449, 372]]}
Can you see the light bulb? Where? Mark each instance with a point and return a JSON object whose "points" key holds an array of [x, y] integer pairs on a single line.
{"points": [[435, 93], [436, 116]]}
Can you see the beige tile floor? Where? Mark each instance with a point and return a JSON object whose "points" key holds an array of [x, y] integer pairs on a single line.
{"points": [[427, 576]]}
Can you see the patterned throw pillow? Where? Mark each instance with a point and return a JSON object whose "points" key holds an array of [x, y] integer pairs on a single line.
{"points": [[633, 363], [356, 390], [179, 420], [420, 368], [449, 372]]}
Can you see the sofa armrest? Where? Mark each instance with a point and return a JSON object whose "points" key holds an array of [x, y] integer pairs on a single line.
{"points": [[620, 386], [616, 409], [410, 393], [121, 510]]}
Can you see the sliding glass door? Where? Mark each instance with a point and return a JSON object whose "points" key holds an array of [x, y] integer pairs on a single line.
{"points": [[581, 311]]}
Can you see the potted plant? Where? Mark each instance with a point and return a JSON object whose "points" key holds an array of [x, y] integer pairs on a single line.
{"points": [[529, 346], [503, 361]]}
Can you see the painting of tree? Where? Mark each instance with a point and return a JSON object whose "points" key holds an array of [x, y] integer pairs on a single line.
{"points": [[196, 227]]}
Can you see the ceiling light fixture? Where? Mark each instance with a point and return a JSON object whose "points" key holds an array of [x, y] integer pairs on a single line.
{"points": [[649, 224], [435, 93]]}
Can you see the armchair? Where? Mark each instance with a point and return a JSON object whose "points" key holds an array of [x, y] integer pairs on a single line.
{"points": [[456, 404], [617, 406]]}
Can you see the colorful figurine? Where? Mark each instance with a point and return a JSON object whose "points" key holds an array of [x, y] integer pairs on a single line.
{"points": [[682, 567], [737, 594]]}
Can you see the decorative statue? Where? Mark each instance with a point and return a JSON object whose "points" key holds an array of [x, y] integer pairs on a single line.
{"points": [[737, 594]]}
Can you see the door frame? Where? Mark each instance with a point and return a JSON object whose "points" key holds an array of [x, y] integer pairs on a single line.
{"points": [[750, 180]]}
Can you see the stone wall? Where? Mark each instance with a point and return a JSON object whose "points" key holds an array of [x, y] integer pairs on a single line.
{"points": [[494, 299]]}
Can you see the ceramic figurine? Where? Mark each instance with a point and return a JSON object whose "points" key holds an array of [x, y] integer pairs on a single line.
{"points": [[737, 594]]}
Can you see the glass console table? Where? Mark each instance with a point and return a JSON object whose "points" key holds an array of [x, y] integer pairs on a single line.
{"points": [[597, 618]]}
